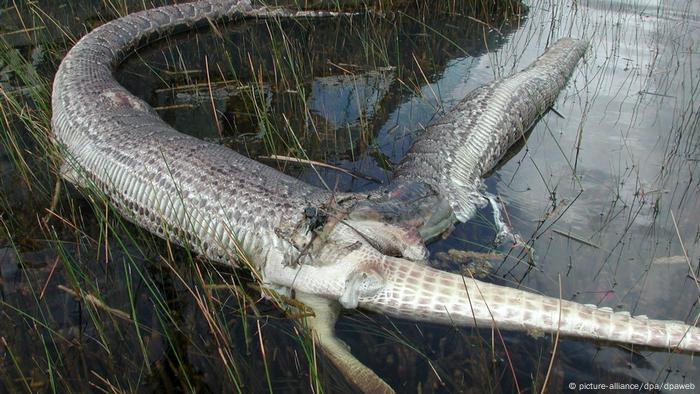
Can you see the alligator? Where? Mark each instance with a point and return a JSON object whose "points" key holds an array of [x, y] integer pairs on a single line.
{"points": [[372, 255]]}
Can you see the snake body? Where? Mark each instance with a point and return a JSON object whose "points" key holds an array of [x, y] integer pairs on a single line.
{"points": [[189, 191], [455, 152], [439, 180], [224, 205]]}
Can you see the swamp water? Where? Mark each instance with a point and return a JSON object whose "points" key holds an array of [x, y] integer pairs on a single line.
{"points": [[605, 192]]}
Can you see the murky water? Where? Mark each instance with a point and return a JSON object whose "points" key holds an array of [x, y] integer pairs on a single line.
{"points": [[606, 192]]}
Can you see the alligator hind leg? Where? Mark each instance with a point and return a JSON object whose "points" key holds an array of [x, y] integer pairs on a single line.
{"points": [[503, 230], [322, 327]]}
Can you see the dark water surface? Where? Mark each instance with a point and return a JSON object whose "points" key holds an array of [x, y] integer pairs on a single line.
{"points": [[606, 193]]}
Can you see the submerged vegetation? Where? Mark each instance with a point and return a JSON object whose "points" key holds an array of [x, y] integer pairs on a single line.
{"points": [[90, 302]]}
